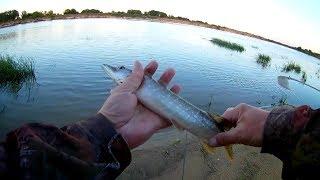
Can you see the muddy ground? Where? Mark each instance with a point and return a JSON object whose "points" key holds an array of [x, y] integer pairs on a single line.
{"points": [[171, 154]]}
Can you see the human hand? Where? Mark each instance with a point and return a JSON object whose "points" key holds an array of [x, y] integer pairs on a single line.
{"points": [[248, 122], [132, 120]]}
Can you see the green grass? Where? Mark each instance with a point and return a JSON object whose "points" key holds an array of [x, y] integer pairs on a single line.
{"points": [[15, 72], [264, 60], [292, 66], [228, 45]]}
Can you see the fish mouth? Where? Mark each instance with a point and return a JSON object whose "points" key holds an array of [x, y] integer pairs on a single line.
{"points": [[109, 69]]}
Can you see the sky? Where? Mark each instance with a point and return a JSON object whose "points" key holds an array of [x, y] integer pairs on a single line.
{"points": [[293, 22]]}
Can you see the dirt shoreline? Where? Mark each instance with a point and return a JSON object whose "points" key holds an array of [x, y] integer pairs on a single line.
{"points": [[156, 19], [182, 157]]}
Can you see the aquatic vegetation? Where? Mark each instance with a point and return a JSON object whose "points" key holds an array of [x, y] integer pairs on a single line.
{"points": [[15, 72], [264, 60], [228, 45], [282, 101], [304, 76], [292, 66]]}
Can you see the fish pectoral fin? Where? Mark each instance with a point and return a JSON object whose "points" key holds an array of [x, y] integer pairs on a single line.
{"points": [[210, 149], [177, 125]]}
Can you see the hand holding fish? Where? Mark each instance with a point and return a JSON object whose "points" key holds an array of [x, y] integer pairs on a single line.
{"points": [[132, 120], [248, 122]]}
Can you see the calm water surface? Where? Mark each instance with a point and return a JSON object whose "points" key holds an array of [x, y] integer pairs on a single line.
{"points": [[72, 86]]}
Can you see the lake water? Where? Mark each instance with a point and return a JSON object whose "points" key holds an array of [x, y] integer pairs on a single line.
{"points": [[72, 85]]}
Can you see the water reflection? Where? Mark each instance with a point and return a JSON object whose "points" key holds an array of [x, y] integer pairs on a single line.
{"points": [[6, 36]]}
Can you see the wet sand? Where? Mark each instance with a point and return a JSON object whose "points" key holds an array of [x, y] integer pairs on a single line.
{"points": [[169, 155]]}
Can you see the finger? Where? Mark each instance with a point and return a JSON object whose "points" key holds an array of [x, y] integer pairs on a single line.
{"points": [[151, 68], [167, 76], [175, 89], [133, 81], [231, 116], [225, 138]]}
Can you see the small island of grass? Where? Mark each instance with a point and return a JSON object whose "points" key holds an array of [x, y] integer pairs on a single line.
{"points": [[292, 66], [264, 60], [228, 45], [14, 72]]}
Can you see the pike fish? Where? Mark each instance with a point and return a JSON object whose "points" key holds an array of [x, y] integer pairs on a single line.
{"points": [[182, 114]]}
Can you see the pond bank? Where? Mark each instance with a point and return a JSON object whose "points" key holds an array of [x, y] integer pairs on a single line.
{"points": [[178, 20]]}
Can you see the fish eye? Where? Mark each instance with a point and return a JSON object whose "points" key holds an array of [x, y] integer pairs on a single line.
{"points": [[121, 67]]}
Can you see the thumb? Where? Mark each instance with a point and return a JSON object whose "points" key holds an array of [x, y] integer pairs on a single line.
{"points": [[133, 81], [225, 138]]}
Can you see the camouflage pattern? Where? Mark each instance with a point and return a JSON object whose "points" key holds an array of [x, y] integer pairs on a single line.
{"points": [[293, 135], [90, 149]]}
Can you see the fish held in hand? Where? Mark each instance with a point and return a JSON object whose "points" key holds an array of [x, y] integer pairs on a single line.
{"points": [[182, 114]]}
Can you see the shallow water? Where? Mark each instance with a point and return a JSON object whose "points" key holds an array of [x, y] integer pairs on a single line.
{"points": [[71, 84]]}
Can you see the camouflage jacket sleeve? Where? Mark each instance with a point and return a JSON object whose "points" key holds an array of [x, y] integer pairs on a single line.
{"points": [[90, 149], [293, 135]]}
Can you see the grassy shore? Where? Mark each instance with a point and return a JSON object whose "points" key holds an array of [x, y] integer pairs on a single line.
{"points": [[14, 72], [264, 60], [228, 45], [135, 14]]}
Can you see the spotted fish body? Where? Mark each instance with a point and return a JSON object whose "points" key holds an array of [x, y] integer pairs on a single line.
{"points": [[169, 105]]}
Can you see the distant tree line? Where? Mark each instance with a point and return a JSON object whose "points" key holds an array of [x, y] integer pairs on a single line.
{"points": [[309, 52], [91, 11], [154, 13], [37, 14], [9, 16], [13, 15], [70, 11]]}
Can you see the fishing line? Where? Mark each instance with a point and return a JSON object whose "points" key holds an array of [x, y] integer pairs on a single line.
{"points": [[292, 92]]}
